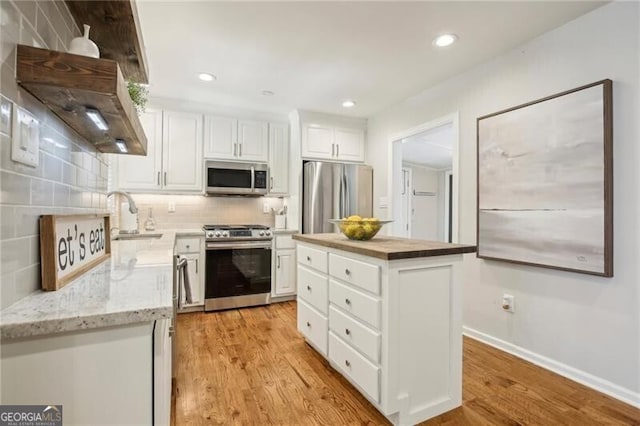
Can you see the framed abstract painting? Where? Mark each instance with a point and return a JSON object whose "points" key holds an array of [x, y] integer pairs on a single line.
{"points": [[545, 182]]}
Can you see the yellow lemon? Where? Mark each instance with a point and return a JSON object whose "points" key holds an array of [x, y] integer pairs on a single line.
{"points": [[354, 217]]}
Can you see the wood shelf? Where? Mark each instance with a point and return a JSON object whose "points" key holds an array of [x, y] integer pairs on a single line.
{"points": [[116, 30], [69, 84]]}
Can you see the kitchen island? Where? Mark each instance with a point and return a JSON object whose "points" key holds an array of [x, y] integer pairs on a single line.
{"points": [[387, 314], [92, 345]]}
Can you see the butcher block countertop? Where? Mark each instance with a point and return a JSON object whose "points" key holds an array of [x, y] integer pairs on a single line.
{"points": [[386, 248]]}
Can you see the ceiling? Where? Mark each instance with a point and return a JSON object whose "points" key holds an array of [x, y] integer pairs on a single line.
{"points": [[314, 55], [431, 148]]}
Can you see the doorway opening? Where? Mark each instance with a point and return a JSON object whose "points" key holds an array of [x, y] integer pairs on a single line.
{"points": [[423, 181]]}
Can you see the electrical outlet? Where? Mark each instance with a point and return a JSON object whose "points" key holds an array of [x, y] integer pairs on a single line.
{"points": [[266, 208], [172, 206], [508, 303]]}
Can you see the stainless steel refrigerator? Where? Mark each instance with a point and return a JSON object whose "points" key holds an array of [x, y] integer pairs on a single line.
{"points": [[334, 191]]}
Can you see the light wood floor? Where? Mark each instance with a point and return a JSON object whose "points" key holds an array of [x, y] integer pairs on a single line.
{"points": [[251, 367]]}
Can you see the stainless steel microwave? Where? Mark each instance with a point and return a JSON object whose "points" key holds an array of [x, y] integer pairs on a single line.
{"points": [[227, 178]]}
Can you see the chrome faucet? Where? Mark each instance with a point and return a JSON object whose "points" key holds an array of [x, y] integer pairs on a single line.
{"points": [[132, 205]]}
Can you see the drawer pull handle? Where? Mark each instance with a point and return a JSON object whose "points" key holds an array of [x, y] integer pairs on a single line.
{"points": [[347, 272], [309, 287], [308, 258], [347, 363], [308, 324], [348, 332], [347, 301]]}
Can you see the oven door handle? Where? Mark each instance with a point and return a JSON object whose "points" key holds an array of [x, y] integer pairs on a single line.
{"points": [[238, 245]]}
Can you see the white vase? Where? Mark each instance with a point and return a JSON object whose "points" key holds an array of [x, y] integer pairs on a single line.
{"points": [[83, 46]]}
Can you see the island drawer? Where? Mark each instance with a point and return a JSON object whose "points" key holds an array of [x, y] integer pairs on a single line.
{"points": [[355, 302], [356, 334], [313, 326], [363, 373], [188, 245], [313, 288], [316, 259], [355, 272]]}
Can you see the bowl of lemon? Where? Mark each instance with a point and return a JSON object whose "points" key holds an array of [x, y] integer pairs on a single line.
{"points": [[359, 228]]}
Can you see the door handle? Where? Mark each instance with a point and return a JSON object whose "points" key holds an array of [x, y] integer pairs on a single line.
{"points": [[196, 266], [235, 149], [278, 263], [158, 178], [333, 148], [165, 178], [337, 150], [271, 179], [240, 150]]}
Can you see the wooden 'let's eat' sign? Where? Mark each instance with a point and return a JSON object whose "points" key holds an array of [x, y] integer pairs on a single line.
{"points": [[70, 246]]}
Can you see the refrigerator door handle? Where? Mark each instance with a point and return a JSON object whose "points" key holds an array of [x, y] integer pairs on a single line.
{"points": [[345, 203]]}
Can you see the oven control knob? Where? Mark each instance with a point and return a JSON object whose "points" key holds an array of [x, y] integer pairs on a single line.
{"points": [[218, 234], [261, 233], [225, 234], [209, 234], [268, 233]]}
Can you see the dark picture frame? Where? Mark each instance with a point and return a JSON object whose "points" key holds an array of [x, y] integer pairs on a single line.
{"points": [[545, 182]]}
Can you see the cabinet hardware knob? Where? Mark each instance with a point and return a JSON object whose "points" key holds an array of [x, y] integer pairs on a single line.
{"points": [[347, 363], [309, 287], [347, 301], [308, 324], [347, 272], [348, 332], [308, 258]]}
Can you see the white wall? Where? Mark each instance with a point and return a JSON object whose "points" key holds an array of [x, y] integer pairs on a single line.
{"points": [[587, 327]]}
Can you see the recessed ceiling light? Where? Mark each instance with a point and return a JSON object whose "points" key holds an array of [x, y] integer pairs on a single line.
{"points": [[267, 93], [349, 103], [206, 76], [445, 40]]}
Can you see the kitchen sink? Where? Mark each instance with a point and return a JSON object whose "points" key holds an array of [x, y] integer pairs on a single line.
{"points": [[136, 237]]}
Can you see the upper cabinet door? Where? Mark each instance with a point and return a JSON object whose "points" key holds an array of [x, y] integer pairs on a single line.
{"points": [[143, 173], [253, 140], [349, 144], [220, 137], [278, 159], [182, 154], [317, 142]]}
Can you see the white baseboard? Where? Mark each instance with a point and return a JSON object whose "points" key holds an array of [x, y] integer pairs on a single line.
{"points": [[582, 377]]}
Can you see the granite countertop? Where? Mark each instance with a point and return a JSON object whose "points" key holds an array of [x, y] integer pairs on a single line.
{"points": [[387, 248], [134, 285]]}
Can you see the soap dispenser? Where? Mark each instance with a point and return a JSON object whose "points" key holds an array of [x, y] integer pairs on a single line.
{"points": [[150, 224]]}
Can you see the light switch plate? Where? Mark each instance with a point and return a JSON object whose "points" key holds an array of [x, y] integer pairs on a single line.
{"points": [[6, 113], [25, 141], [383, 202]]}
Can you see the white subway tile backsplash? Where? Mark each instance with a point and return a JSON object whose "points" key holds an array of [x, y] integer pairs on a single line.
{"points": [[26, 221], [41, 192], [15, 188], [71, 176], [7, 290], [7, 222], [15, 254]]}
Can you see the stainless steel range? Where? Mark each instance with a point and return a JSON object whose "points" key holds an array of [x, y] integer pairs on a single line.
{"points": [[237, 266]]}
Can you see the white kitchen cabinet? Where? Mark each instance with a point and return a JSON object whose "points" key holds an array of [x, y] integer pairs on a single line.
{"points": [[393, 328], [174, 155], [162, 373], [191, 249], [324, 142], [285, 283], [88, 372], [139, 173], [182, 151], [236, 139], [284, 267], [278, 159]]}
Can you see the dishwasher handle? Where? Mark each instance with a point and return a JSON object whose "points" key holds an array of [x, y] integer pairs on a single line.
{"points": [[183, 282]]}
